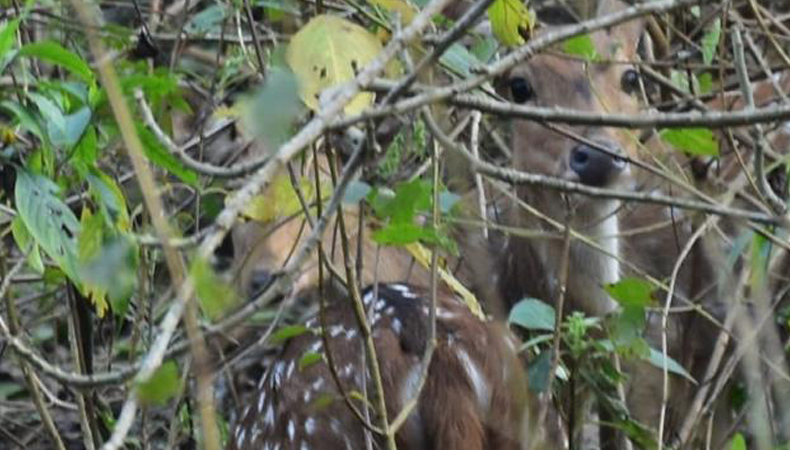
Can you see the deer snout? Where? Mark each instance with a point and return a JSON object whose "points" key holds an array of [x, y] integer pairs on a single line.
{"points": [[260, 279], [595, 167]]}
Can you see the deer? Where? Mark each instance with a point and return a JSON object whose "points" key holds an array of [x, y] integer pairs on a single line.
{"points": [[474, 394], [550, 80], [594, 156]]}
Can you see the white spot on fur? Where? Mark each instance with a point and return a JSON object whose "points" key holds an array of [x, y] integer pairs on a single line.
{"points": [[347, 370], [477, 379], [277, 374], [291, 430], [335, 426], [335, 330], [410, 384], [369, 297], [309, 426], [404, 290], [315, 346], [445, 314], [389, 311], [351, 334], [290, 369], [268, 418], [397, 326], [240, 439]]}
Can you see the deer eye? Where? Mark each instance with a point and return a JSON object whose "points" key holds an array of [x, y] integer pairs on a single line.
{"points": [[521, 90], [629, 81]]}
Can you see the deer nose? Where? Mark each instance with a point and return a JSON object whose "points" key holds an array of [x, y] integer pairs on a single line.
{"points": [[260, 279], [595, 167]]}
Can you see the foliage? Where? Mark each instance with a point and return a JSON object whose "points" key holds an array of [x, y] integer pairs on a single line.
{"points": [[94, 281]]}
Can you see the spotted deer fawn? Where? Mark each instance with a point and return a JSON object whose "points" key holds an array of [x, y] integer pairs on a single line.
{"points": [[474, 393]]}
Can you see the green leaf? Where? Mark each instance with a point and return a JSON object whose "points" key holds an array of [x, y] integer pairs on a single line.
{"points": [[447, 200], [631, 292], [402, 234], [27, 119], [694, 141], [48, 219], [656, 358], [215, 295], [510, 19], [109, 196], [533, 314], [163, 385], [738, 442], [89, 246], [86, 151], [308, 359], [680, 80], [633, 295], [409, 198], [7, 33], [206, 21], [484, 48], [459, 60], [705, 83], [581, 45], [538, 372], [24, 241], [710, 41], [108, 265], [54, 121], [54, 53], [74, 126], [288, 332], [159, 155], [271, 112], [356, 191]]}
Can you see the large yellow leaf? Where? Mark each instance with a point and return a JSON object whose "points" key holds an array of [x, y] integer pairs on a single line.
{"points": [[510, 21], [281, 200], [325, 53], [406, 10]]}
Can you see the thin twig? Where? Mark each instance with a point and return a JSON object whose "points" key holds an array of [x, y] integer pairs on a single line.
{"points": [[173, 260], [519, 177], [665, 322], [364, 327], [14, 328], [757, 131]]}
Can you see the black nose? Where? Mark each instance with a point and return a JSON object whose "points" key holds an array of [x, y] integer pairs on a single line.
{"points": [[260, 279], [594, 167]]}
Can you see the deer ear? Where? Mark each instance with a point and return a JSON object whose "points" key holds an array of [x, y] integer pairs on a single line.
{"points": [[622, 40]]}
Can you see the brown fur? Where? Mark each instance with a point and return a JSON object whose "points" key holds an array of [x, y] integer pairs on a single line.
{"points": [[475, 392]]}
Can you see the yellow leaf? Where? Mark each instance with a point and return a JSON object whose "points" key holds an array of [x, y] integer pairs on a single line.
{"points": [[423, 256], [281, 200], [511, 20], [89, 245], [406, 10], [325, 53]]}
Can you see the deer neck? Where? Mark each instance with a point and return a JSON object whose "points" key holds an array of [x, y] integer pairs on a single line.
{"points": [[533, 265]]}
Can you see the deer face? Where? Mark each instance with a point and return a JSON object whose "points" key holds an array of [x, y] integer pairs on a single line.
{"points": [[595, 156], [592, 155], [262, 249]]}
